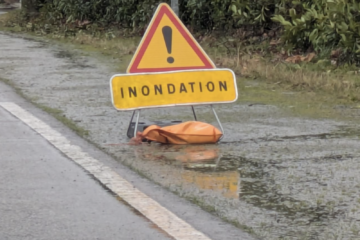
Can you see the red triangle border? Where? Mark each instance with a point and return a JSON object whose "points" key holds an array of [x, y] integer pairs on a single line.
{"points": [[164, 9]]}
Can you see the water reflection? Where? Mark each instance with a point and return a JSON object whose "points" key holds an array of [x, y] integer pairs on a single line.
{"points": [[225, 183], [289, 197], [202, 166]]}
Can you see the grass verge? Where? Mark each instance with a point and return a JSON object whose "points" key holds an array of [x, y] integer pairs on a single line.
{"points": [[56, 113]]}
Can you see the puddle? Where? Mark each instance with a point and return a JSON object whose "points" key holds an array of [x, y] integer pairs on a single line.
{"points": [[64, 54], [287, 198], [76, 62]]}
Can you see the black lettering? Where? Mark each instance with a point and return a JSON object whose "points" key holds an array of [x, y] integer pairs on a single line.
{"points": [[183, 88], [122, 92], [158, 89], [223, 85], [132, 92], [171, 86], [200, 86], [145, 90], [210, 86], [192, 86]]}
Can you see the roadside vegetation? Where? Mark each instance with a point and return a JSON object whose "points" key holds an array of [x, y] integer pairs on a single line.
{"points": [[310, 46], [56, 113]]}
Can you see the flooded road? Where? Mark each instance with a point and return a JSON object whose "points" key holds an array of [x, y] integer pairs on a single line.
{"points": [[275, 175]]}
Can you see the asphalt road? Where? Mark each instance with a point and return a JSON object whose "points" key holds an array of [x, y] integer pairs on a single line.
{"points": [[43, 195]]}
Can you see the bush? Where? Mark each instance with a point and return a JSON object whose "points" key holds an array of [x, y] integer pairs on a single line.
{"points": [[127, 13], [198, 14], [323, 25], [309, 25]]}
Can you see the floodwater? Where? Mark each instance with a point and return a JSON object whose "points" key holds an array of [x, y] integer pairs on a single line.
{"points": [[274, 175], [286, 189]]}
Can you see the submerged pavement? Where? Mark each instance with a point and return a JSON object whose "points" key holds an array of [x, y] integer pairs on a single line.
{"points": [[274, 175]]}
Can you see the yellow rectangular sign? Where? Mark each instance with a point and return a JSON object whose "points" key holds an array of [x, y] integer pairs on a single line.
{"points": [[193, 87]]}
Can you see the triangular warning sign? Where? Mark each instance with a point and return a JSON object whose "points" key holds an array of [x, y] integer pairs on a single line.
{"points": [[168, 46]]}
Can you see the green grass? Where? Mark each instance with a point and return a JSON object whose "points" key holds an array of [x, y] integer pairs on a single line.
{"points": [[56, 113]]}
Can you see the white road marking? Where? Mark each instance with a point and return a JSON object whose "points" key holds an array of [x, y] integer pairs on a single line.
{"points": [[163, 218]]}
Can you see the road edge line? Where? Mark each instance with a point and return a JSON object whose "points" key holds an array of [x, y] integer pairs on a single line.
{"points": [[152, 210]]}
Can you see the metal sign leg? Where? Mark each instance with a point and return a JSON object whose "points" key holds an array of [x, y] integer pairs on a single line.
{"points": [[130, 123], [132, 117], [192, 107], [218, 120], [137, 122]]}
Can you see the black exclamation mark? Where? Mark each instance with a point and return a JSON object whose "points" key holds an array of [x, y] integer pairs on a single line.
{"points": [[167, 32]]}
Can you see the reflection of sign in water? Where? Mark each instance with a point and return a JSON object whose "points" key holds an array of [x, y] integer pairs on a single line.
{"points": [[203, 169], [192, 87], [194, 155], [168, 46], [202, 166], [225, 182]]}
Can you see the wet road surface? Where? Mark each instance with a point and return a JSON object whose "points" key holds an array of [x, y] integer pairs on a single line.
{"points": [[45, 196], [274, 175]]}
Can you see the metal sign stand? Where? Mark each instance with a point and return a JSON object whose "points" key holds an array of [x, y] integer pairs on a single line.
{"points": [[137, 113]]}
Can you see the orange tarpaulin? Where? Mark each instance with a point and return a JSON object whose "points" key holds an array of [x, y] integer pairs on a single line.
{"points": [[184, 133]]}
